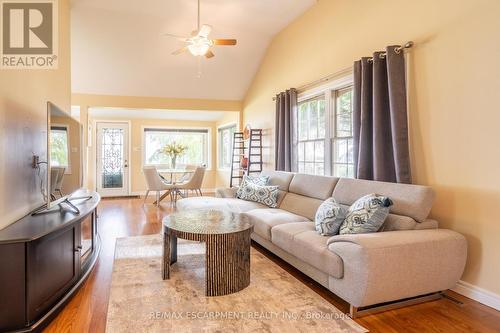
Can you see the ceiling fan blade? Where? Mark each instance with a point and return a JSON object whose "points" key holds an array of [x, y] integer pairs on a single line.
{"points": [[224, 41], [176, 36], [204, 30], [179, 51], [209, 54]]}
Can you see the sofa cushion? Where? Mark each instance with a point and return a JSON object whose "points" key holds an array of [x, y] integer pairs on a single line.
{"points": [[278, 178], [230, 204], [302, 241], [300, 205], [395, 222], [414, 201], [319, 187], [229, 192], [427, 224], [264, 219]]}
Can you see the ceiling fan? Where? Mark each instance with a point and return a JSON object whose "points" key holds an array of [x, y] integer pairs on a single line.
{"points": [[198, 44]]}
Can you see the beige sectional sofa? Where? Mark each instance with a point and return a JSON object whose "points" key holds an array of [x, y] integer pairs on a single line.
{"points": [[410, 256]]}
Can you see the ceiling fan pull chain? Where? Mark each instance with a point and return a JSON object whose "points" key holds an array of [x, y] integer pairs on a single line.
{"points": [[198, 75]]}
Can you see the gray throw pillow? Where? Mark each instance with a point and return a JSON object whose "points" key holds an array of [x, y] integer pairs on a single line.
{"points": [[329, 217], [366, 215], [257, 179], [267, 195], [252, 179]]}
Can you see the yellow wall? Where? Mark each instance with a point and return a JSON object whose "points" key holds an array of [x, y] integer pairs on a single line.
{"points": [[23, 124], [454, 79]]}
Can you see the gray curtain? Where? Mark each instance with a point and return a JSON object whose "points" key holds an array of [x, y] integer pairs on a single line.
{"points": [[380, 124], [286, 108]]}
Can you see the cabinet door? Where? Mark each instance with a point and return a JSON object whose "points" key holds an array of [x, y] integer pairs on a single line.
{"points": [[12, 295], [53, 267]]}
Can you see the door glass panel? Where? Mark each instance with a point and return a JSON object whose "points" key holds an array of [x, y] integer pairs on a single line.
{"points": [[112, 157]]}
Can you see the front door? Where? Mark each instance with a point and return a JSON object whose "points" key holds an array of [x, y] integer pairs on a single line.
{"points": [[112, 159]]}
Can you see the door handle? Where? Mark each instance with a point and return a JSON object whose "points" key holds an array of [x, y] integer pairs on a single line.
{"points": [[78, 248]]}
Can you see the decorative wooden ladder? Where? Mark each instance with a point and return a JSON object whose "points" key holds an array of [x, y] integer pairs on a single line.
{"points": [[255, 151], [254, 155]]}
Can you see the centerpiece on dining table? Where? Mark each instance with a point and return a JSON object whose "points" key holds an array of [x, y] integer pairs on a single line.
{"points": [[174, 150]]}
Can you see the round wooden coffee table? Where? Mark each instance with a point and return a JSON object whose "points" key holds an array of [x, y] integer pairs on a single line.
{"points": [[227, 238]]}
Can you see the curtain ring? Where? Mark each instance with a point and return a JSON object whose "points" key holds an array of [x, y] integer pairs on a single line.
{"points": [[398, 49], [381, 55]]}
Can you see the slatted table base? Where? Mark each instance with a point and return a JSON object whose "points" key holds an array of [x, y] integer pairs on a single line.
{"points": [[227, 259]]}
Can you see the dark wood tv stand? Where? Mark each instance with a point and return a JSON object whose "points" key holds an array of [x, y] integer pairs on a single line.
{"points": [[44, 259]]}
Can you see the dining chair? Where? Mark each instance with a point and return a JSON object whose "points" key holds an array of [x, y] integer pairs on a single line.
{"points": [[156, 183], [187, 175], [193, 184]]}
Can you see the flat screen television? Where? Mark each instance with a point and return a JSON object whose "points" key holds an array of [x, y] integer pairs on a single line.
{"points": [[64, 157]]}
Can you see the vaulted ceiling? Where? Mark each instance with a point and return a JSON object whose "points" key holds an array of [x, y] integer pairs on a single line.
{"points": [[118, 49]]}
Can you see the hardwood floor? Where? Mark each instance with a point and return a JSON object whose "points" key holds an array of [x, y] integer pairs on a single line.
{"points": [[86, 312]]}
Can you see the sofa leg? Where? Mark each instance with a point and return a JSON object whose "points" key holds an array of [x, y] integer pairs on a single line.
{"points": [[356, 312], [353, 311]]}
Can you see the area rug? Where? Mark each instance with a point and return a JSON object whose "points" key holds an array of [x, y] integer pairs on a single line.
{"points": [[275, 301]]}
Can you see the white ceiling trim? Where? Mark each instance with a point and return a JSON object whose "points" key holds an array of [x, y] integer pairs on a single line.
{"points": [[189, 115]]}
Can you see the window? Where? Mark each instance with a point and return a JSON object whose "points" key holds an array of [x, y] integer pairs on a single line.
{"points": [[196, 141], [342, 149], [226, 146], [324, 133], [59, 147], [311, 136]]}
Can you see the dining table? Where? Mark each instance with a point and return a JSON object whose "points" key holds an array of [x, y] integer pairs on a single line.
{"points": [[170, 175]]}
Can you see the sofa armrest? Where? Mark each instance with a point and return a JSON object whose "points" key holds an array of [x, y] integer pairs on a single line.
{"points": [[387, 266], [229, 192]]}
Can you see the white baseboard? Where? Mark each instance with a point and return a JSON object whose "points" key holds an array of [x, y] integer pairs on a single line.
{"points": [[142, 193], [481, 295]]}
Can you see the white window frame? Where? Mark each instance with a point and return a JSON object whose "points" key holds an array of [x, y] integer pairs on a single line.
{"points": [[329, 90], [219, 144], [67, 170], [209, 142], [334, 137], [309, 140]]}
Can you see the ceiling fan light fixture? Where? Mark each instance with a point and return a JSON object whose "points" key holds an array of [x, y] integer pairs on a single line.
{"points": [[199, 44], [199, 47]]}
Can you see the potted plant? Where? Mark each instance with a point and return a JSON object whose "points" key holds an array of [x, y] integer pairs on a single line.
{"points": [[174, 150]]}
